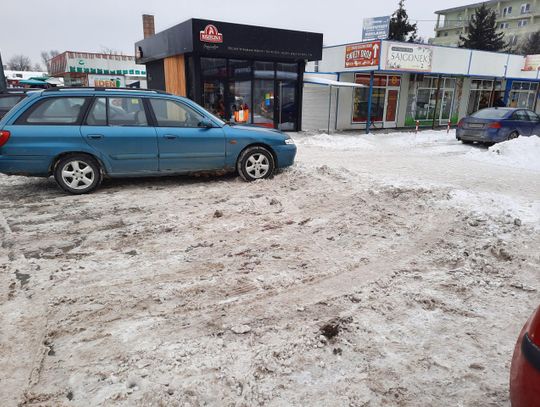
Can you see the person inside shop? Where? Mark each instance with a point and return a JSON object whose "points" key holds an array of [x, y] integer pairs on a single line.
{"points": [[499, 102]]}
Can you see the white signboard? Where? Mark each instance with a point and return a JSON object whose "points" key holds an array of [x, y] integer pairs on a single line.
{"points": [[412, 57], [106, 81]]}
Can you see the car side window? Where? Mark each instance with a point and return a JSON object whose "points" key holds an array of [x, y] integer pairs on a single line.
{"points": [[54, 110], [97, 115], [173, 114], [520, 115], [7, 102], [533, 117], [126, 111]]}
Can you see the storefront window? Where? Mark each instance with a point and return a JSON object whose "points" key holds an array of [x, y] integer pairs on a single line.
{"points": [[429, 103], [287, 71], [214, 97], [483, 94], [263, 102], [264, 70], [239, 101], [214, 67], [523, 95], [384, 100], [239, 68]]}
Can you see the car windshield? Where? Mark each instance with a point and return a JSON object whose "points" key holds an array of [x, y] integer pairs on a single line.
{"points": [[490, 114]]}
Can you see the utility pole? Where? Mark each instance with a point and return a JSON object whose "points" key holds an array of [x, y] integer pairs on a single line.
{"points": [[3, 84]]}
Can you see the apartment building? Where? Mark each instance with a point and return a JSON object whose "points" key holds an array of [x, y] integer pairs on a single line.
{"points": [[517, 19]]}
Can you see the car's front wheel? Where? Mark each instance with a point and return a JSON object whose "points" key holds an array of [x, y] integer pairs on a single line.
{"points": [[78, 174], [256, 163]]}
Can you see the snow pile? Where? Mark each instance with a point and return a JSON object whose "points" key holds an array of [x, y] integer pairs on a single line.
{"points": [[522, 152], [357, 141], [337, 142]]}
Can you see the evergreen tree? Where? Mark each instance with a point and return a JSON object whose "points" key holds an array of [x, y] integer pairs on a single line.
{"points": [[531, 45], [400, 27], [482, 31]]}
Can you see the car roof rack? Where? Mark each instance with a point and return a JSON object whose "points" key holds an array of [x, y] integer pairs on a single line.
{"points": [[67, 88]]}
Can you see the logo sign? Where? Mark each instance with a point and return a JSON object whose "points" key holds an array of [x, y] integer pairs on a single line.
{"points": [[211, 34], [105, 81], [532, 63], [416, 58], [376, 28], [362, 54]]}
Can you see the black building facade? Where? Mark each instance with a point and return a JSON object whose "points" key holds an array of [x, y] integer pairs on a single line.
{"points": [[242, 73]]}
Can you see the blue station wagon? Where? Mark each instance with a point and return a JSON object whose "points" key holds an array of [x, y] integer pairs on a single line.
{"points": [[80, 135]]}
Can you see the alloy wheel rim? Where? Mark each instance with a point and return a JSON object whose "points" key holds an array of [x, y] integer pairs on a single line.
{"points": [[78, 175], [257, 165]]}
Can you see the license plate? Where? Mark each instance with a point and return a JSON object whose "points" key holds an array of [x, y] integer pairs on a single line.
{"points": [[476, 125]]}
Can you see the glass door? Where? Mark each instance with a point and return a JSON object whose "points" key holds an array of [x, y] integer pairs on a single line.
{"points": [[287, 107], [390, 111], [263, 102]]}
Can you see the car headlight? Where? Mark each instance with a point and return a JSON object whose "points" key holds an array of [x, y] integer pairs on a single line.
{"points": [[289, 141]]}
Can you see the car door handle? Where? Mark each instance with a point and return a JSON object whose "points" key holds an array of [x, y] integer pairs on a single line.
{"points": [[95, 136], [170, 136]]}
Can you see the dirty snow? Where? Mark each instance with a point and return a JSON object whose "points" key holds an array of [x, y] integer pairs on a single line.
{"points": [[381, 270]]}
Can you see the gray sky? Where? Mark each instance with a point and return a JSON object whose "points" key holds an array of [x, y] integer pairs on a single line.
{"points": [[29, 26]]}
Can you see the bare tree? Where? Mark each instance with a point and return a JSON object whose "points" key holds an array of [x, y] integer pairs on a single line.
{"points": [[19, 63], [46, 56], [37, 68]]}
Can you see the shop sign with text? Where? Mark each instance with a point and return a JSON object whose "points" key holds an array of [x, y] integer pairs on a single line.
{"points": [[211, 34], [532, 63], [404, 57], [362, 54]]}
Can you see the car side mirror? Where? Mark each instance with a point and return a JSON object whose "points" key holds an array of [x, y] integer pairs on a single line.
{"points": [[205, 123]]}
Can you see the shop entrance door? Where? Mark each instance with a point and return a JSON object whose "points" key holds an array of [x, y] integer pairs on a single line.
{"points": [[446, 100], [391, 107], [287, 106]]}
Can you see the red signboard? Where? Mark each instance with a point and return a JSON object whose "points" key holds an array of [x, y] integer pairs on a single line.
{"points": [[362, 54], [211, 34]]}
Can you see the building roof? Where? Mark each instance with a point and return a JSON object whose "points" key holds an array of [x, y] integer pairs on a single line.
{"points": [[473, 5]]}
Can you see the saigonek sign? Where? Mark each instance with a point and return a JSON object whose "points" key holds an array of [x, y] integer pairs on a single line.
{"points": [[409, 57]]}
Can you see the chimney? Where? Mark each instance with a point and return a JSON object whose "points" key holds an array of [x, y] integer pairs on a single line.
{"points": [[148, 25]]}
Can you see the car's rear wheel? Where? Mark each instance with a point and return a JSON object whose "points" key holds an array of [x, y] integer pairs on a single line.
{"points": [[256, 163], [466, 141], [78, 174], [513, 135]]}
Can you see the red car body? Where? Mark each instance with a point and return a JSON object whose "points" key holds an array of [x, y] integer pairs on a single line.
{"points": [[525, 370]]}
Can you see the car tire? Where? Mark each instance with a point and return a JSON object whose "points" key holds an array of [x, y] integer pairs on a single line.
{"points": [[513, 135], [255, 163], [467, 141], [78, 174]]}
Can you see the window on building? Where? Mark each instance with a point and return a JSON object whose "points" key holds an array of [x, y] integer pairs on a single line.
{"points": [[503, 26], [525, 8], [522, 23], [523, 94], [483, 94], [384, 101], [427, 104], [507, 11]]}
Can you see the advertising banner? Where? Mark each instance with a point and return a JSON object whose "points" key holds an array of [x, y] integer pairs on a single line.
{"points": [[362, 54], [532, 63], [376, 28], [106, 81], [412, 57]]}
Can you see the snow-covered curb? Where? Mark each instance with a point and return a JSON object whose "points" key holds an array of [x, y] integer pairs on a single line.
{"points": [[523, 152]]}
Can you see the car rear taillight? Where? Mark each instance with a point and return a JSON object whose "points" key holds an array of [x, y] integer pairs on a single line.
{"points": [[4, 137], [534, 328], [495, 125], [460, 124]]}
